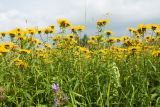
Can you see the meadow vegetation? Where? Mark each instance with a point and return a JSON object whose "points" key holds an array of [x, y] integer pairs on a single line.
{"points": [[42, 67]]}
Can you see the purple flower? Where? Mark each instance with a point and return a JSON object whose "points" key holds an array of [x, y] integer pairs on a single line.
{"points": [[56, 103], [55, 87]]}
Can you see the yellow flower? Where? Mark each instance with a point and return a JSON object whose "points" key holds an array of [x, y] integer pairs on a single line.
{"points": [[31, 31], [48, 30], [73, 42], [131, 29], [70, 36], [79, 28], [127, 43], [141, 28], [41, 50], [47, 46], [94, 38], [157, 32], [40, 31], [51, 26], [56, 38], [91, 42], [3, 33], [137, 35], [103, 52], [133, 50], [156, 53], [21, 65], [24, 51], [118, 39], [60, 45], [17, 29], [102, 22], [43, 55], [84, 50], [17, 60], [154, 27], [21, 38], [33, 40], [149, 38], [63, 23], [124, 38], [108, 32], [3, 50], [8, 45], [66, 39], [12, 33], [111, 40]]}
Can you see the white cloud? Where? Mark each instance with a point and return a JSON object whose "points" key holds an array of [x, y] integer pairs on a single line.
{"points": [[44, 12], [125, 10], [10, 19]]}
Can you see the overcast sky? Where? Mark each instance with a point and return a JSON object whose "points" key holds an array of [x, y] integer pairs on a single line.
{"points": [[122, 13]]}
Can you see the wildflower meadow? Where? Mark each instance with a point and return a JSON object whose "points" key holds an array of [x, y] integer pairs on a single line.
{"points": [[62, 67]]}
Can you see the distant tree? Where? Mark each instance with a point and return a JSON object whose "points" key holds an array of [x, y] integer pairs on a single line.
{"points": [[83, 40]]}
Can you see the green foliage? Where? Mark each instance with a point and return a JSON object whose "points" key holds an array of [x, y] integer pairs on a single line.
{"points": [[87, 82]]}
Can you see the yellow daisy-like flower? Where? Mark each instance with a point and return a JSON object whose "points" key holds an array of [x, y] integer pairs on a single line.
{"points": [[21, 65], [141, 28], [12, 33], [56, 38], [131, 29], [3, 50], [63, 23], [134, 50], [91, 42], [42, 55], [24, 51], [8, 45], [48, 30], [51, 26], [156, 53], [84, 50], [157, 32], [102, 22], [31, 31], [3, 33], [79, 28], [154, 27], [118, 39], [111, 40], [125, 38], [21, 38], [108, 32], [47, 46], [94, 38], [17, 60], [33, 40]]}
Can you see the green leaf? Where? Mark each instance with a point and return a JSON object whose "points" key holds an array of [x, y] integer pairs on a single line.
{"points": [[40, 105], [79, 95]]}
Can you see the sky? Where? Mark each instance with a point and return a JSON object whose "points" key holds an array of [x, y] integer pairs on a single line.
{"points": [[121, 13]]}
